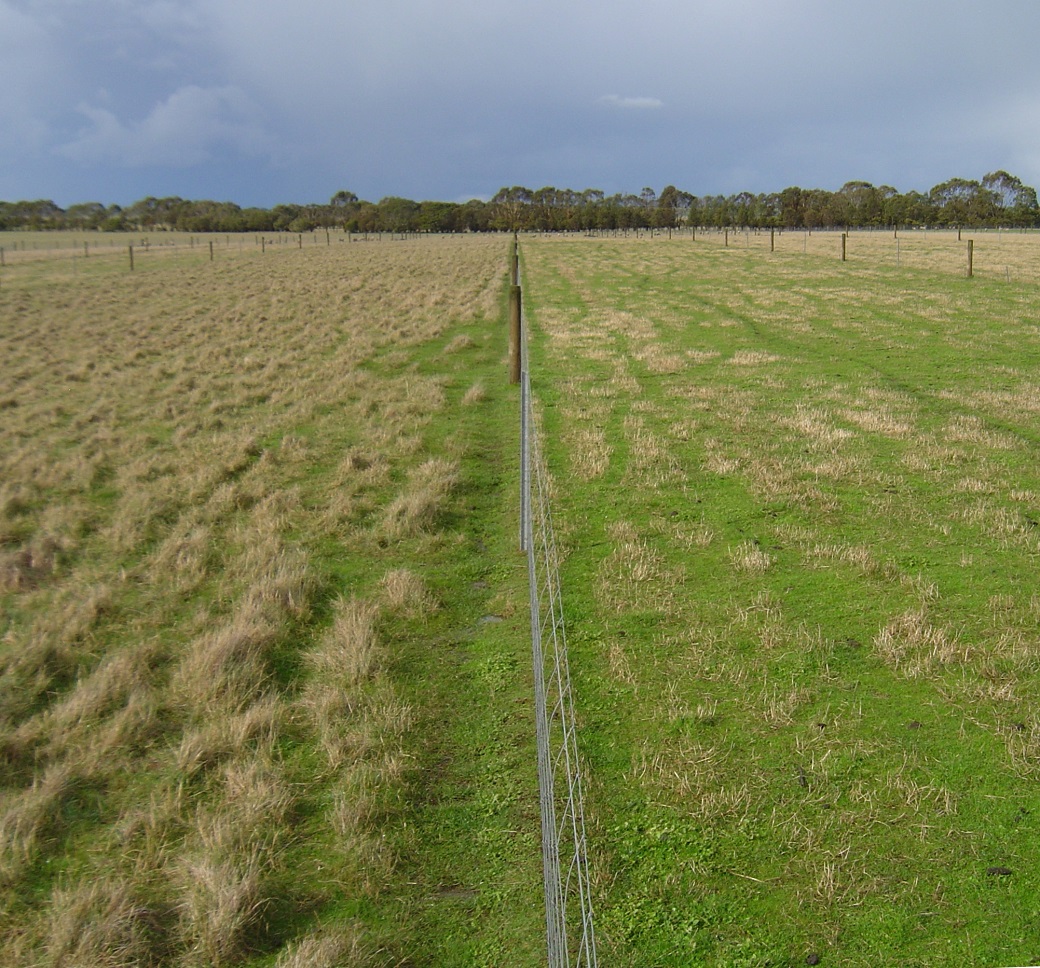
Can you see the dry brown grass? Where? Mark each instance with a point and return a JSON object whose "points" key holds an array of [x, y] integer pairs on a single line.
{"points": [[174, 446], [416, 508], [405, 593], [914, 646], [105, 923]]}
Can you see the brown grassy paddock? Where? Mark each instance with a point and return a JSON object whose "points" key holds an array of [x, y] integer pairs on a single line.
{"points": [[183, 451], [997, 254]]}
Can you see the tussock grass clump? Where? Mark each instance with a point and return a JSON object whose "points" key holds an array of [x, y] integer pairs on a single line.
{"points": [[34, 819], [404, 593], [106, 923], [222, 904], [329, 948], [348, 652], [28, 567], [416, 508]]}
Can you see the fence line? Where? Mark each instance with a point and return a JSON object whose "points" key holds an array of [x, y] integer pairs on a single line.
{"points": [[570, 934]]}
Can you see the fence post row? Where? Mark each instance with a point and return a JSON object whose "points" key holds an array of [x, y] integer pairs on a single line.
{"points": [[570, 934]]}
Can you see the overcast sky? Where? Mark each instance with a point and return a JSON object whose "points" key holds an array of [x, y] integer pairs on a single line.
{"points": [[267, 101]]}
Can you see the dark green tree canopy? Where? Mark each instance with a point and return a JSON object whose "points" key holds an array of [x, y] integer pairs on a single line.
{"points": [[998, 199]]}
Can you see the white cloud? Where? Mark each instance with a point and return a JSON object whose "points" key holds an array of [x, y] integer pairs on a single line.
{"points": [[188, 128], [631, 103]]}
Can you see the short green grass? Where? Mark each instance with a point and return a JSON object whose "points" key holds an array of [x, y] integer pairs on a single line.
{"points": [[799, 502]]}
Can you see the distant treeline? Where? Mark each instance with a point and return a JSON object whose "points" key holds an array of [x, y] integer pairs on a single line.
{"points": [[999, 199]]}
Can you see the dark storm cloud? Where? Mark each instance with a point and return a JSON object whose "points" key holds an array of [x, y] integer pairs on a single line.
{"points": [[262, 102]]}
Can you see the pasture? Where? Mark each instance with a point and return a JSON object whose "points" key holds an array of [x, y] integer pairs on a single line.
{"points": [[259, 699], [265, 686], [799, 502]]}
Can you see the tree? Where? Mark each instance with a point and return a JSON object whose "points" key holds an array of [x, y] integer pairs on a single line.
{"points": [[961, 201], [397, 214], [85, 215], [510, 207], [858, 203], [1016, 203], [664, 216]]}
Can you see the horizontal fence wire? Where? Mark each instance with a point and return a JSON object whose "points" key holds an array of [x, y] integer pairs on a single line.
{"points": [[570, 932]]}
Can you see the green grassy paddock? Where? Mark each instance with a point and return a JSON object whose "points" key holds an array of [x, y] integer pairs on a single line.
{"points": [[800, 509]]}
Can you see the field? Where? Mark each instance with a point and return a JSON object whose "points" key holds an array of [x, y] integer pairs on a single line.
{"points": [[800, 508], [265, 686], [259, 643]]}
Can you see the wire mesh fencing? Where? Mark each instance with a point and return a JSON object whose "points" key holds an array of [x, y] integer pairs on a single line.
{"points": [[568, 903]]}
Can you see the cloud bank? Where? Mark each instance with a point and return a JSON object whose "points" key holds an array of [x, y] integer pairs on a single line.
{"points": [[263, 101], [631, 103]]}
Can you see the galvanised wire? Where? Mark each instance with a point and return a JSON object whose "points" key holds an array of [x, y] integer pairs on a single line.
{"points": [[570, 933]]}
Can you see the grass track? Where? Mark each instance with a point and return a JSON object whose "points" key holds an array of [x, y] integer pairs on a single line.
{"points": [[799, 502]]}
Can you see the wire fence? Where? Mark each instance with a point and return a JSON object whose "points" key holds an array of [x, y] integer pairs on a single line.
{"points": [[568, 903]]}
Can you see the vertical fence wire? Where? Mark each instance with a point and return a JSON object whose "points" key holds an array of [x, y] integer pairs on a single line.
{"points": [[570, 933]]}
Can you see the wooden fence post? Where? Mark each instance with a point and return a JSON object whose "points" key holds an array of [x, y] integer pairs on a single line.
{"points": [[772, 239], [843, 238], [514, 334], [131, 250], [971, 256], [210, 250]]}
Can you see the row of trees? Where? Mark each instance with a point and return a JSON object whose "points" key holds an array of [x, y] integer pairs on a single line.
{"points": [[999, 199]]}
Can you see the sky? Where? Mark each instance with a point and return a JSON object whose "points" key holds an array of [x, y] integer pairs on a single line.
{"points": [[260, 102]]}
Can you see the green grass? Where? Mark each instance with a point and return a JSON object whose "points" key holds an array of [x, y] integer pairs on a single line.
{"points": [[799, 505]]}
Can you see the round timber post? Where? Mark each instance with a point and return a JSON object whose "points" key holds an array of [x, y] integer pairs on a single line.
{"points": [[514, 334]]}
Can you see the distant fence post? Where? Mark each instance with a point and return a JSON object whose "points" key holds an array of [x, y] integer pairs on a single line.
{"points": [[971, 256], [514, 262], [514, 334], [86, 250]]}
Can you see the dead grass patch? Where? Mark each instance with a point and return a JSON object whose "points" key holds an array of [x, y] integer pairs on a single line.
{"points": [[912, 645]]}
